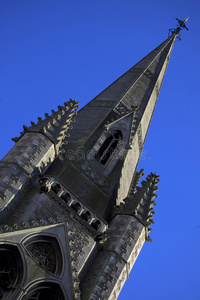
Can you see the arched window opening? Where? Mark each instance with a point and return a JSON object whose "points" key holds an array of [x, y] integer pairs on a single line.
{"points": [[76, 206], [108, 147], [104, 147], [11, 268], [86, 215], [66, 197], [45, 185], [56, 188], [96, 224], [46, 252]]}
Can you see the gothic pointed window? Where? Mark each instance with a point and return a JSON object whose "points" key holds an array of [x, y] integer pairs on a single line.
{"points": [[46, 251], [109, 148]]}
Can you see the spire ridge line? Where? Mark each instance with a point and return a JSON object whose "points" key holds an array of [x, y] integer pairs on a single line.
{"points": [[144, 69]]}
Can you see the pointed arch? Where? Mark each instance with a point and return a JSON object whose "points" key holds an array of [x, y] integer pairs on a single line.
{"points": [[46, 251]]}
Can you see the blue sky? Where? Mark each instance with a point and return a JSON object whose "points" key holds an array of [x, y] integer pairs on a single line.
{"points": [[53, 50]]}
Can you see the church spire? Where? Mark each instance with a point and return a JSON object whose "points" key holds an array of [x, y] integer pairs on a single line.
{"points": [[132, 89], [108, 136], [73, 228]]}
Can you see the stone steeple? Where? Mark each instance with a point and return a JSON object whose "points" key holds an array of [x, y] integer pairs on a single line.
{"points": [[73, 217], [126, 106], [132, 89]]}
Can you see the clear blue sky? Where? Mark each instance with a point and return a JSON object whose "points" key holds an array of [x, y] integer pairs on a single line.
{"points": [[53, 50]]}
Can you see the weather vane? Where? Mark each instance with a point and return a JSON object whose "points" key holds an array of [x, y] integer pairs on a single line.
{"points": [[181, 24]]}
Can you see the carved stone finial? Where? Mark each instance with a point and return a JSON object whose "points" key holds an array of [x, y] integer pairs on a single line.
{"points": [[45, 185], [25, 127], [15, 139], [101, 238]]}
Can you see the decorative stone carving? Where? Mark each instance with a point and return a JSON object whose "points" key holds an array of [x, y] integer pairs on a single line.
{"points": [[101, 238], [122, 109], [140, 203], [135, 182], [45, 185], [30, 224], [12, 180], [134, 125], [78, 242], [140, 138]]}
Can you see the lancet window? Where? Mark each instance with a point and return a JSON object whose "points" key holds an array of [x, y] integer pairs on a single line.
{"points": [[109, 148]]}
